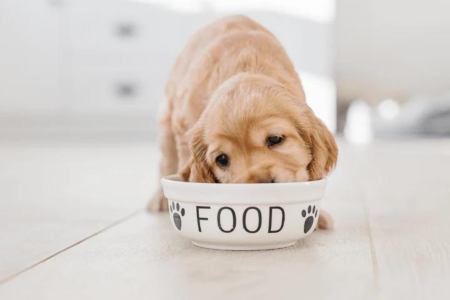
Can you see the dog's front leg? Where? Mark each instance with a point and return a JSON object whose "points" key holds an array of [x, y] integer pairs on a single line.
{"points": [[169, 159], [325, 220]]}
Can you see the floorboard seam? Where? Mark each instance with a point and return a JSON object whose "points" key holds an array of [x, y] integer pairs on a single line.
{"points": [[376, 273], [127, 217]]}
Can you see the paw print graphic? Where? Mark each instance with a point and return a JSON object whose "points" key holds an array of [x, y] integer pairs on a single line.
{"points": [[312, 215], [177, 214]]}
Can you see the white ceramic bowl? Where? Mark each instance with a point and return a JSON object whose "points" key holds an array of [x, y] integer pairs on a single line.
{"points": [[243, 216]]}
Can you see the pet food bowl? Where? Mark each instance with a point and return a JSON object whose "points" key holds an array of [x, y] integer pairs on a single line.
{"points": [[243, 216]]}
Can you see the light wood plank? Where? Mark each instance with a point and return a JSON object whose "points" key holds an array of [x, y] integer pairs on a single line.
{"points": [[144, 258], [407, 193], [401, 187], [53, 195]]}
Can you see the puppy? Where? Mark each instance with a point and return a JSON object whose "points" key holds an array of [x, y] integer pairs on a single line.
{"points": [[236, 113]]}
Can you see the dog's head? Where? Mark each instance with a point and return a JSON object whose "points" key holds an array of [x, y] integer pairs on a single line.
{"points": [[256, 131]]}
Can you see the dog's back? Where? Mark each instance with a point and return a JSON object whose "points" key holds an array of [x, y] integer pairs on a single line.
{"points": [[221, 50], [197, 44]]}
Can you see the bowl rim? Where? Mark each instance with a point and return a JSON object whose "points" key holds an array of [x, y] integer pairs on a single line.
{"points": [[242, 193]]}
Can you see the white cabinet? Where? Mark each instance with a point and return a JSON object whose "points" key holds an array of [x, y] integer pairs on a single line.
{"points": [[123, 91], [89, 58], [29, 57], [120, 57]]}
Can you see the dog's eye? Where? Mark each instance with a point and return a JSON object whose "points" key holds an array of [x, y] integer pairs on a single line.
{"points": [[222, 160], [274, 140]]}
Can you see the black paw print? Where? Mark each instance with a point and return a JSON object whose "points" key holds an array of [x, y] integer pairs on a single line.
{"points": [[312, 214], [175, 210]]}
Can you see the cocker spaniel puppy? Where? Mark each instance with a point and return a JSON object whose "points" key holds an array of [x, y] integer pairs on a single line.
{"points": [[236, 113]]}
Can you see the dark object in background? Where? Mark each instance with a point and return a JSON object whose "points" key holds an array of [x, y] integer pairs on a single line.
{"points": [[421, 116]]}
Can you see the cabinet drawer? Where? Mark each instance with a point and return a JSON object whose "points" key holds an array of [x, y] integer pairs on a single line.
{"points": [[115, 91], [124, 26]]}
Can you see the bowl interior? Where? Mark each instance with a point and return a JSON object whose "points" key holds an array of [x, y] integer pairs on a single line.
{"points": [[242, 193]]}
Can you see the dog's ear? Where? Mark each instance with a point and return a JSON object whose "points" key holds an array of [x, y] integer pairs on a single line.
{"points": [[197, 169], [322, 146]]}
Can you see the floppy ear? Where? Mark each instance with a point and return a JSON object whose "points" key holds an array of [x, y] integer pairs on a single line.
{"points": [[322, 145], [197, 169]]}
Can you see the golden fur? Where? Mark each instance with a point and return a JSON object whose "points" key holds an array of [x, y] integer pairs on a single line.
{"points": [[231, 88]]}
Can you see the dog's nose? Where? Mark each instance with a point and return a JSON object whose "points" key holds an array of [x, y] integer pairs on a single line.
{"points": [[259, 179], [270, 180]]}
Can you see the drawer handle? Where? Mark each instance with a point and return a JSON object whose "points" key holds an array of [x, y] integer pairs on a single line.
{"points": [[126, 90], [125, 30]]}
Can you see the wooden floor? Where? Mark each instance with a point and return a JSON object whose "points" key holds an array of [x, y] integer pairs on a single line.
{"points": [[72, 226]]}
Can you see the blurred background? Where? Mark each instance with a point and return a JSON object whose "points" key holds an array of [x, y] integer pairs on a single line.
{"points": [[371, 69], [80, 86]]}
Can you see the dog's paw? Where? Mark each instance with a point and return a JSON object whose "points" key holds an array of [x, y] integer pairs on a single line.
{"points": [[325, 220], [158, 202]]}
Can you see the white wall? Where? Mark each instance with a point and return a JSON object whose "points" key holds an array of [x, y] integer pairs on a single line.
{"points": [[392, 48]]}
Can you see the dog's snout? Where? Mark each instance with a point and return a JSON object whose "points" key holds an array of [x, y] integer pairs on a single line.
{"points": [[258, 173], [252, 179], [266, 180], [259, 176], [270, 180]]}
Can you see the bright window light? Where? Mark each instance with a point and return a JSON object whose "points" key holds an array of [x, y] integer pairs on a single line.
{"points": [[358, 127], [388, 109], [321, 97], [321, 11]]}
